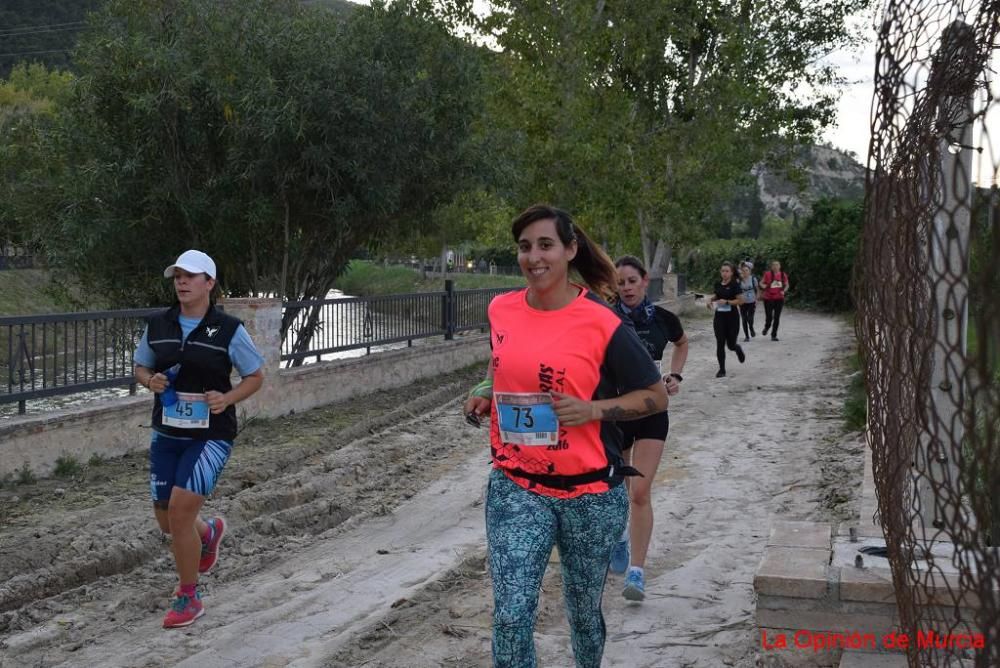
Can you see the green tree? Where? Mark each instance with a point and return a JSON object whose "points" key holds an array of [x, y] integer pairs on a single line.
{"points": [[29, 100], [277, 137], [641, 116], [822, 254]]}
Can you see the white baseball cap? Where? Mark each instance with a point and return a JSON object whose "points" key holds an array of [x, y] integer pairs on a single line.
{"points": [[193, 262]]}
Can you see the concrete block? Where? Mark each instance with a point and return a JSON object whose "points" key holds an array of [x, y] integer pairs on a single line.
{"points": [[866, 584], [830, 603], [793, 571], [868, 526], [870, 529], [945, 590], [815, 535], [826, 620], [851, 659], [109, 428]]}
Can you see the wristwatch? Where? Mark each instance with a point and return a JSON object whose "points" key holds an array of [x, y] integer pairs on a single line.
{"points": [[679, 377]]}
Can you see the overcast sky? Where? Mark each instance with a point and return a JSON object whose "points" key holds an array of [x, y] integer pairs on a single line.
{"points": [[853, 128]]}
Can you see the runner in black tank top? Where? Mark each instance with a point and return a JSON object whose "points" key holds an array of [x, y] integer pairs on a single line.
{"points": [[644, 439], [725, 301]]}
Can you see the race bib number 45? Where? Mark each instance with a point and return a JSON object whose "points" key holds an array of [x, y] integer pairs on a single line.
{"points": [[190, 412], [527, 418]]}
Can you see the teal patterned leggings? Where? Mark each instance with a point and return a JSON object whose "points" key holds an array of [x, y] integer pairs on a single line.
{"points": [[521, 528]]}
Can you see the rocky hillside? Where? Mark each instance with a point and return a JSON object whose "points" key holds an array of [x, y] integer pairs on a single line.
{"points": [[827, 172]]}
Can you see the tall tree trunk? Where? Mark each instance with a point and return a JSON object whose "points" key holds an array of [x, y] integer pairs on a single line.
{"points": [[656, 253], [661, 258], [283, 286]]}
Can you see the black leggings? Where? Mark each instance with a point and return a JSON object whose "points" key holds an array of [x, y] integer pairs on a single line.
{"points": [[727, 330], [748, 311], [772, 315]]}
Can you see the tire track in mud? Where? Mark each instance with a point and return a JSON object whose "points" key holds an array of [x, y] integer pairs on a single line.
{"points": [[298, 477]]}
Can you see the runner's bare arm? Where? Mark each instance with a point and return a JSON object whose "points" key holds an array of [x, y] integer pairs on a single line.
{"points": [[678, 357], [218, 402], [479, 405], [633, 405], [154, 382]]}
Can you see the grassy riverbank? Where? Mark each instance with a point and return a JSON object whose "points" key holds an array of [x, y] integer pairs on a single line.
{"points": [[30, 291], [366, 279]]}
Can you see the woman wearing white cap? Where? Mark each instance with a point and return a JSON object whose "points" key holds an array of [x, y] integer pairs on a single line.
{"points": [[185, 357]]}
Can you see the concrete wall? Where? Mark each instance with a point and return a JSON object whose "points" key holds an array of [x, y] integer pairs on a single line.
{"points": [[116, 427]]}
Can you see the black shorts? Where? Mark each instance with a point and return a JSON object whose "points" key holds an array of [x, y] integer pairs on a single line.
{"points": [[652, 426]]}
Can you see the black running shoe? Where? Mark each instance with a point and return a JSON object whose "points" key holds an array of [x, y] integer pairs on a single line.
{"points": [[721, 373], [740, 355]]}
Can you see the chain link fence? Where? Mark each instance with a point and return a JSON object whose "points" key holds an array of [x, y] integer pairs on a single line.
{"points": [[925, 283]]}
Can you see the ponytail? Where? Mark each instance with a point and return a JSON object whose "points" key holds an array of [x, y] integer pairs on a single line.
{"points": [[595, 266], [591, 262]]}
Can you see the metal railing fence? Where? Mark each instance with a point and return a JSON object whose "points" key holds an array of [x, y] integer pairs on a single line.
{"points": [[66, 353], [17, 262], [14, 256], [318, 327], [62, 353]]}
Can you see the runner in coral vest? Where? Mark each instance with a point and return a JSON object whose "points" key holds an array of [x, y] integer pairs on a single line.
{"points": [[565, 370]]}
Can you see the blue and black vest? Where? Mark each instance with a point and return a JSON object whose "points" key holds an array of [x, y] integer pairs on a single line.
{"points": [[205, 365]]}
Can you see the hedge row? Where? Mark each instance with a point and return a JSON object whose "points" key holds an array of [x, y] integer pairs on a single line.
{"points": [[818, 258]]}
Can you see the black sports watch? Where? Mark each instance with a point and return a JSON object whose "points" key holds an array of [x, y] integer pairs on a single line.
{"points": [[680, 378]]}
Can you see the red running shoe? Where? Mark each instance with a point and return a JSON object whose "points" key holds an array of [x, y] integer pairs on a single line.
{"points": [[183, 611], [210, 550]]}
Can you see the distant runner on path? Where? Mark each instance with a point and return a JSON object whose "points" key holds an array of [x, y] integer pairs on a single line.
{"points": [[751, 293], [185, 357], [565, 369], [644, 439], [725, 301], [775, 284]]}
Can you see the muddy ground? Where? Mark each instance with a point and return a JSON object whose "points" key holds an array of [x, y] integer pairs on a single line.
{"points": [[357, 538]]}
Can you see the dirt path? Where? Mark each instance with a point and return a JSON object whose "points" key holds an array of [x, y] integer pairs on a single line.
{"points": [[352, 549]]}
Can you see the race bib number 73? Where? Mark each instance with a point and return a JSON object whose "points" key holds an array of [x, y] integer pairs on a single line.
{"points": [[527, 418]]}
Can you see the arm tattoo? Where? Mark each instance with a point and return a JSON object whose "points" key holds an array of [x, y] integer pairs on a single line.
{"points": [[619, 414]]}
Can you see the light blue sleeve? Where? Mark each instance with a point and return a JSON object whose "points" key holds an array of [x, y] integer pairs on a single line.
{"points": [[244, 353], [144, 355]]}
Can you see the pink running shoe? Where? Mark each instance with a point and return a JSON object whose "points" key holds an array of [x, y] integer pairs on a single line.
{"points": [[183, 611], [210, 550]]}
